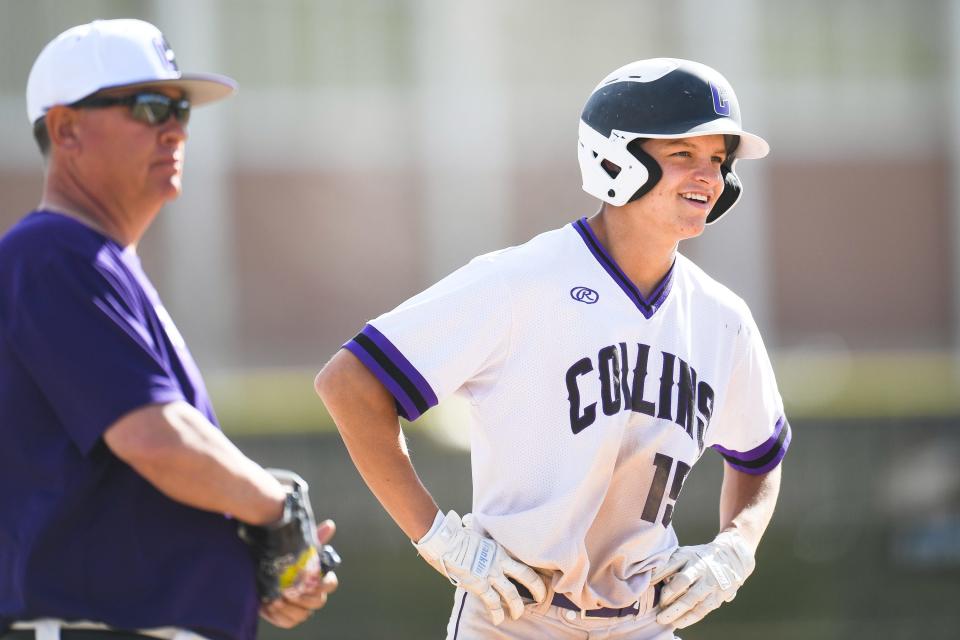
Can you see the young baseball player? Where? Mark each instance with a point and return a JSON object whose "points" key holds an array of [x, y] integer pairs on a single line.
{"points": [[600, 364]]}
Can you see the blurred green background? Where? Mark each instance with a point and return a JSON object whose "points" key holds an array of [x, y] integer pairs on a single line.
{"points": [[375, 145]]}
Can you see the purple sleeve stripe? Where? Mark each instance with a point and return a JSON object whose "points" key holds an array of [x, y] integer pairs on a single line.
{"points": [[759, 471], [765, 457], [421, 386], [405, 406], [411, 391], [760, 450]]}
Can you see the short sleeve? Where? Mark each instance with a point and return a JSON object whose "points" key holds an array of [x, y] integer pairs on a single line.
{"points": [[436, 342], [80, 327], [750, 429]]}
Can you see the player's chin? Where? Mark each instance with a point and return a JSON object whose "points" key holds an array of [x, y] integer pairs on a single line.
{"points": [[691, 227]]}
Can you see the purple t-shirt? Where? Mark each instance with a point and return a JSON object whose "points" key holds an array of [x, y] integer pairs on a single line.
{"points": [[84, 340]]}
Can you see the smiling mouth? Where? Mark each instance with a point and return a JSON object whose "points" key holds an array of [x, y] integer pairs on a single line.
{"points": [[699, 198]]}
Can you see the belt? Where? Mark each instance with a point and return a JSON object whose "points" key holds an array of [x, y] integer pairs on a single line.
{"points": [[78, 634], [55, 629], [562, 601]]}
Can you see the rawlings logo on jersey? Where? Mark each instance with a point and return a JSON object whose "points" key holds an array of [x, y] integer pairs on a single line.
{"points": [[584, 294], [623, 389]]}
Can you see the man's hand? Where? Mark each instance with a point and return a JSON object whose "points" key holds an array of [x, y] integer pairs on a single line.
{"points": [[288, 552], [479, 565], [296, 604], [709, 575]]}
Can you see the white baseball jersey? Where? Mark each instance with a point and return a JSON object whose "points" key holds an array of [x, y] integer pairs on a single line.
{"points": [[590, 403]]}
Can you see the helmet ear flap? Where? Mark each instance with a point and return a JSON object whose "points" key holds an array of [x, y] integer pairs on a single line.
{"points": [[653, 169], [732, 189]]}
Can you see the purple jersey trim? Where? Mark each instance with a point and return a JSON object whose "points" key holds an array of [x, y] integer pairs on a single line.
{"points": [[657, 297], [411, 390], [764, 457]]}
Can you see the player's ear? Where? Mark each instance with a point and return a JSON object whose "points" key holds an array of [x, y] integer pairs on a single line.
{"points": [[63, 125]]}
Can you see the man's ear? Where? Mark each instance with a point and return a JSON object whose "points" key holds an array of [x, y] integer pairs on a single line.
{"points": [[63, 124]]}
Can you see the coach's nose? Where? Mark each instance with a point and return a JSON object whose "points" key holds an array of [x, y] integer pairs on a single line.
{"points": [[173, 132]]}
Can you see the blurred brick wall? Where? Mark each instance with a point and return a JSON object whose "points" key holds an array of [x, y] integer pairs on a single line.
{"points": [[860, 251]]}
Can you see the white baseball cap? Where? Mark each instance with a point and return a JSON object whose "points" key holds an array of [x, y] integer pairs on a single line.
{"points": [[112, 53]]}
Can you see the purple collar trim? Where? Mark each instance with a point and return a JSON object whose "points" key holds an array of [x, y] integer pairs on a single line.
{"points": [[659, 294]]}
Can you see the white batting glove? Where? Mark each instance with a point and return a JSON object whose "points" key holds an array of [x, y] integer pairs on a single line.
{"points": [[703, 577], [479, 565]]}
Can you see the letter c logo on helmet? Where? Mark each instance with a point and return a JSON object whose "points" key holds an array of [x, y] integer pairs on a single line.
{"points": [[658, 98]]}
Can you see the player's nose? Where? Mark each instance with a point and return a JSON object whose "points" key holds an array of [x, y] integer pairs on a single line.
{"points": [[708, 172]]}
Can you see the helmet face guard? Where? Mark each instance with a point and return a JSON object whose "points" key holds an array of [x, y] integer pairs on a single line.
{"points": [[657, 98]]}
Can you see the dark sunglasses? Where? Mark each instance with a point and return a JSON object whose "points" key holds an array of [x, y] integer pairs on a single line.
{"points": [[150, 108]]}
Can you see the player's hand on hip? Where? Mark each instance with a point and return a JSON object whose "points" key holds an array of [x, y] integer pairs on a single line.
{"points": [[478, 564], [298, 603], [698, 579]]}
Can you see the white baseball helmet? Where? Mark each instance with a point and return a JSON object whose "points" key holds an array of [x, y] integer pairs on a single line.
{"points": [[658, 98]]}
